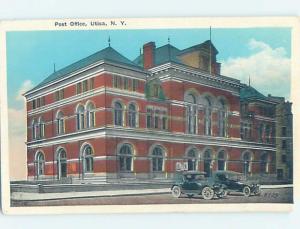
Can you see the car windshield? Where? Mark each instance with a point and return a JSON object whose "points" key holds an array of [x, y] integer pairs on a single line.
{"points": [[194, 177], [236, 177]]}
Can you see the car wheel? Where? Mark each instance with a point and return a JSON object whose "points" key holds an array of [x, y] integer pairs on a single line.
{"points": [[223, 194], [257, 192], [176, 192], [247, 191], [208, 193]]}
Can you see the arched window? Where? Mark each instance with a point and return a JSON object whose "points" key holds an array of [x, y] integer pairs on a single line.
{"points": [[118, 114], [207, 116], [87, 159], [90, 115], [61, 164], [34, 129], [60, 123], [222, 119], [260, 132], [192, 157], [264, 163], [132, 119], [221, 160], [246, 163], [157, 159], [125, 158], [80, 117], [40, 164], [268, 134], [207, 162], [41, 127], [191, 114]]}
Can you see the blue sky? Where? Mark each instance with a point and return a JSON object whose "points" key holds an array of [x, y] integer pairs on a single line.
{"points": [[31, 55]]}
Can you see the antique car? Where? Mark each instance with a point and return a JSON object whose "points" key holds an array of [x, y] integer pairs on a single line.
{"points": [[236, 182], [195, 183]]}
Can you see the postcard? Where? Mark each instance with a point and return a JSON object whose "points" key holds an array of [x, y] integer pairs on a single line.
{"points": [[148, 115]]}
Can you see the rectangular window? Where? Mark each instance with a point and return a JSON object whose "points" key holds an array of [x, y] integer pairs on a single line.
{"points": [[283, 146], [61, 94], [135, 84], [38, 102], [78, 88], [125, 83], [149, 118], [91, 84], [115, 81], [33, 104], [156, 119], [164, 122], [56, 95], [284, 131], [43, 101], [84, 86], [283, 158]]}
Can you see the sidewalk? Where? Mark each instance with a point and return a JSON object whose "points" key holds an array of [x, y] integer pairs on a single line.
{"points": [[25, 196], [19, 196]]}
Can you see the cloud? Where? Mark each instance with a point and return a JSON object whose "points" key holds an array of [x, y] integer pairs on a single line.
{"points": [[17, 134], [26, 86], [267, 67]]}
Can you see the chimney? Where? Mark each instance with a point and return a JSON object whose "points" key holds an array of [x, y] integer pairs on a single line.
{"points": [[148, 51]]}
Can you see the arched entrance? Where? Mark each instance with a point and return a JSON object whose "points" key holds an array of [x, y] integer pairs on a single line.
{"points": [[61, 164]]}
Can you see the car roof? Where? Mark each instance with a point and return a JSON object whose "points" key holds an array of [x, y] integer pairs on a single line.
{"points": [[193, 172], [228, 172]]}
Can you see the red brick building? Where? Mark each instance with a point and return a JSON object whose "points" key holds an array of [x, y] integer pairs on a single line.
{"points": [[106, 117]]}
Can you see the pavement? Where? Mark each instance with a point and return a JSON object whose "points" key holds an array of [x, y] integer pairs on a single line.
{"points": [[25, 196]]}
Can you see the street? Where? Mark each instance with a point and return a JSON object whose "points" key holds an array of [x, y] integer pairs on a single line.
{"points": [[272, 195]]}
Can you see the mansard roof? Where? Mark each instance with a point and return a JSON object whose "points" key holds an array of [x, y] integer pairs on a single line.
{"points": [[250, 93], [207, 45], [107, 54]]}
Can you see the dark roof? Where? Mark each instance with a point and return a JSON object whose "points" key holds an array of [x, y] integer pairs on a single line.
{"points": [[205, 45], [163, 54], [108, 54], [248, 92]]}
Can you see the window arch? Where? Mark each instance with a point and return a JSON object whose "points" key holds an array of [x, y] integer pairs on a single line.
{"points": [[61, 162], [246, 163], [192, 159], [222, 160], [132, 115], [118, 114], [60, 123], [90, 115], [125, 158], [39, 164], [87, 159], [80, 117], [191, 114], [222, 119], [207, 157], [157, 159], [264, 162]]}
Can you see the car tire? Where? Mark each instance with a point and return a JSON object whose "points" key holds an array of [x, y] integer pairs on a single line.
{"points": [[257, 192], [176, 191], [247, 191], [208, 193], [223, 194]]}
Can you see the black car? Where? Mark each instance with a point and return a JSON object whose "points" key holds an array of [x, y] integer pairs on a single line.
{"points": [[236, 182], [195, 183]]}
